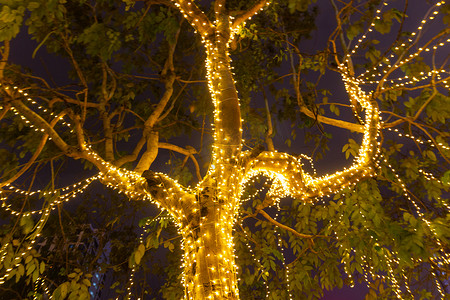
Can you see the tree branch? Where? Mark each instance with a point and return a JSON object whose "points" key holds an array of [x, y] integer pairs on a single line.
{"points": [[169, 194], [249, 13], [80, 75], [271, 220], [39, 122], [195, 16], [133, 156], [147, 158], [4, 58], [166, 193], [36, 153], [188, 151], [334, 122], [5, 110], [269, 131]]}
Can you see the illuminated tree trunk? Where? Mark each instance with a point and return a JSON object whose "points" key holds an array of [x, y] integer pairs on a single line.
{"points": [[209, 266]]}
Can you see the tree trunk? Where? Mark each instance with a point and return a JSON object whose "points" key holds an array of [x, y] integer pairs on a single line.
{"points": [[209, 267]]}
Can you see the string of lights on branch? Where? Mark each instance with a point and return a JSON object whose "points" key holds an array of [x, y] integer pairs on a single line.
{"points": [[407, 45], [418, 140]]}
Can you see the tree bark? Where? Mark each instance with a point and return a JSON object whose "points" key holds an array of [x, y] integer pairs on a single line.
{"points": [[209, 265]]}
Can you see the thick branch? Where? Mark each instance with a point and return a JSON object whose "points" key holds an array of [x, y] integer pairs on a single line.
{"points": [[338, 123], [133, 156], [195, 16], [153, 118], [250, 13], [227, 118], [186, 151], [169, 194], [284, 169], [363, 166], [289, 178], [168, 77], [150, 153], [219, 7]]}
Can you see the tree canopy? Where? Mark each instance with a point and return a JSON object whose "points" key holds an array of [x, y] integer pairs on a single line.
{"points": [[273, 149]]}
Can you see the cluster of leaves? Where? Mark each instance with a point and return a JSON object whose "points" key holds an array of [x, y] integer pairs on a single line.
{"points": [[77, 287]]}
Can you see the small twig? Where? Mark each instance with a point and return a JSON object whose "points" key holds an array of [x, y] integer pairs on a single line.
{"points": [[269, 218]]}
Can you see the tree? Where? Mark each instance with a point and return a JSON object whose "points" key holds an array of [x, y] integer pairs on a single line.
{"points": [[383, 220]]}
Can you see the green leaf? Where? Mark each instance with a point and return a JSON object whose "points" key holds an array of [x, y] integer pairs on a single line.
{"points": [[141, 249], [86, 282], [28, 259], [35, 275], [446, 178], [430, 154], [42, 267], [64, 289], [137, 257], [27, 224], [30, 268], [33, 5], [21, 270]]}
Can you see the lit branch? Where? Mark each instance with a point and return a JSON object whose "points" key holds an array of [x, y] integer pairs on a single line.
{"points": [[169, 194], [219, 6], [364, 166], [284, 169], [39, 122], [130, 183], [400, 61], [249, 13], [35, 155], [195, 16]]}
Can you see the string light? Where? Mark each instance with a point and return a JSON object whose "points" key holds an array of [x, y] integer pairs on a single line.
{"points": [[422, 217], [418, 140]]}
